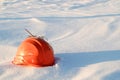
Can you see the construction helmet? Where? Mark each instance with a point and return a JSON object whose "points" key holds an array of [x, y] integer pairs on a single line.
{"points": [[34, 51]]}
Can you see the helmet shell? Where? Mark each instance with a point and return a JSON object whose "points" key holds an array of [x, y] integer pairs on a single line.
{"points": [[34, 51]]}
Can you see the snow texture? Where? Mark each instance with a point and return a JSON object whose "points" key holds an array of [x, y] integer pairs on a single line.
{"points": [[85, 36]]}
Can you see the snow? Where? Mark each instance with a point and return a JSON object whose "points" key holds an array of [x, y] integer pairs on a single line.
{"points": [[83, 33]]}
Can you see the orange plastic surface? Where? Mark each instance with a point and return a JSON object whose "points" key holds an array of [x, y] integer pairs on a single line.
{"points": [[34, 51]]}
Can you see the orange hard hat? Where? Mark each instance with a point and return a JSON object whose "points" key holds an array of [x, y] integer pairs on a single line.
{"points": [[34, 51]]}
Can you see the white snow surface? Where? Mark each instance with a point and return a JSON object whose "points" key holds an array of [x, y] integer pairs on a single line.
{"points": [[85, 36]]}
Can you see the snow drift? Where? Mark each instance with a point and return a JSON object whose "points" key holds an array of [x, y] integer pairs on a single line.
{"points": [[84, 35]]}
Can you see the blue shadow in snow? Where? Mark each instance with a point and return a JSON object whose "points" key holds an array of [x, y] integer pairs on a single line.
{"points": [[69, 61], [78, 5], [113, 76], [49, 18]]}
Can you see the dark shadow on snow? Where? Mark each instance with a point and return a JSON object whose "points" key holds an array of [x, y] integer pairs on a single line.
{"points": [[63, 17], [113, 76], [71, 61]]}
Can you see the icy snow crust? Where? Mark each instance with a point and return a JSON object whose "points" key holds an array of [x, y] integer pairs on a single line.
{"points": [[85, 36]]}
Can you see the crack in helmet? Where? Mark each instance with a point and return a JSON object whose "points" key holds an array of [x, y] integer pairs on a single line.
{"points": [[34, 51]]}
